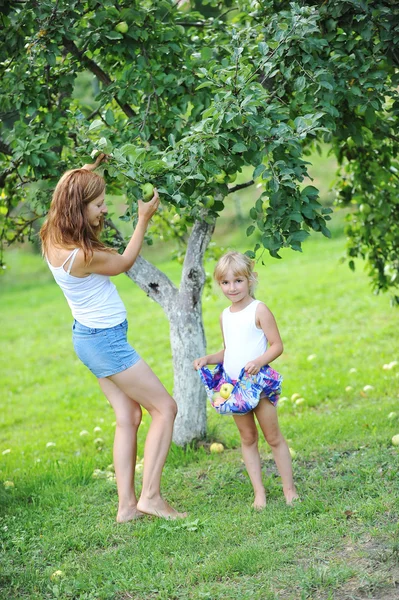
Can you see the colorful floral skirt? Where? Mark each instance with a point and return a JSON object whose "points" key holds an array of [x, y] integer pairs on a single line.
{"points": [[245, 393]]}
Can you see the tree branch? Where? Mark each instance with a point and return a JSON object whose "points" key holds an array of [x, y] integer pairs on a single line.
{"points": [[97, 71], [149, 278], [241, 186], [193, 276], [5, 148]]}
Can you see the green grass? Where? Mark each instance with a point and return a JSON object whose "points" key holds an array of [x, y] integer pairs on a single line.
{"points": [[341, 542]]}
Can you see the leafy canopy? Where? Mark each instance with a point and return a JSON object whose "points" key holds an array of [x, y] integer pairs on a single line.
{"points": [[186, 98]]}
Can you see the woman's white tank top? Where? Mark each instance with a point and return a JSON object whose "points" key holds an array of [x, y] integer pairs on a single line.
{"points": [[243, 340], [93, 300]]}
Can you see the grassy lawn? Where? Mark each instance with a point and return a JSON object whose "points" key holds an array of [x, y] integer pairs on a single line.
{"points": [[341, 542]]}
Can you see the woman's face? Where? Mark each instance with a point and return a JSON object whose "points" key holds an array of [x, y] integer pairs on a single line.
{"points": [[96, 209]]}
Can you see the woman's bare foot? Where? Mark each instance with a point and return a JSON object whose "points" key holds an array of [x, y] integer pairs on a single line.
{"points": [[159, 508], [260, 501], [128, 514], [291, 496]]}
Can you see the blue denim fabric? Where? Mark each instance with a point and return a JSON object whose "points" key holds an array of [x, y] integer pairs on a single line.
{"points": [[104, 351]]}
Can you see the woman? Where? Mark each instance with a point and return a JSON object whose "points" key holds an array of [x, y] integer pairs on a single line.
{"points": [[82, 266]]}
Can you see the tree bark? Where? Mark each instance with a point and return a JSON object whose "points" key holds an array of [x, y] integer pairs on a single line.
{"points": [[183, 308]]}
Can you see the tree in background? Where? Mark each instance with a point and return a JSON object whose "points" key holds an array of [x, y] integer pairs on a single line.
{"points": [[189, 94]]}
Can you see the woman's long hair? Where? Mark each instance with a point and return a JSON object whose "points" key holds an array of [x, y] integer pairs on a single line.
{"points": [[66, 225]]}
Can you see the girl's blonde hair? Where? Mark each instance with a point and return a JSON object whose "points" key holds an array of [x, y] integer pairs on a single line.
{"points": [[241, 265], [66, 225]]}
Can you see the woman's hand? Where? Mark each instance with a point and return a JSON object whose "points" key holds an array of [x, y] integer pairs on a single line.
{"points": [[200, 362], [147, 209], [100, 158]]}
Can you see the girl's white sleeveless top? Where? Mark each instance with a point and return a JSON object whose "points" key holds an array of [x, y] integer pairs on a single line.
{"points": [[93, 300], [243, 340]]}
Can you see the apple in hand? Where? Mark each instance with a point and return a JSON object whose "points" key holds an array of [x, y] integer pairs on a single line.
{"points": [[122, 27], [148, 191], [226, 390]]}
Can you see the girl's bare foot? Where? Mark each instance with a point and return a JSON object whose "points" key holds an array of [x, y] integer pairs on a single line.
{"points": [[159, 508], [291, 496], [128, 514], [260, 501]]}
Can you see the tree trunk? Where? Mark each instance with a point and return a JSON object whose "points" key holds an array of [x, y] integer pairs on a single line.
{"points": [[183, 308]]}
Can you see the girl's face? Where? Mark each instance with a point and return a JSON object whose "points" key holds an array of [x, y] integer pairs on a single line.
{"points": [[234, 287], [96, 209]]}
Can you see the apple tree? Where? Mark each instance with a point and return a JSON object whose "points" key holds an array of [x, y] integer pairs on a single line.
{"points": [[187, 94]]}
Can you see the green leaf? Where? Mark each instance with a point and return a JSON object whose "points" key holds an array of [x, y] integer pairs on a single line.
{"points": [[239, 147], [109, 117], [299, 236], [250, 230], [96, 124]]}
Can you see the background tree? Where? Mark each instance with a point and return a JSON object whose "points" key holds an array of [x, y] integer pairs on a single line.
{"points": [[187, 96]]}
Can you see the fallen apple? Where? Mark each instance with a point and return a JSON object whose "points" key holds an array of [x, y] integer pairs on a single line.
{"points": [[395, 440], [147, 191], [216, 448], [300, 401], [392, 416], [226, 390], [292, 452], [122, 27]]}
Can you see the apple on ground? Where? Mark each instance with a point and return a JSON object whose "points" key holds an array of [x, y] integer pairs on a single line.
{"points": [[148, 191], [395, 440], [216, 448], [225, 390], [122, 27], [392, 416], [292, 452]]}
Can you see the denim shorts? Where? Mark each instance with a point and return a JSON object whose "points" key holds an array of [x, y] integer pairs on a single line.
{"points": [[104, 351]]}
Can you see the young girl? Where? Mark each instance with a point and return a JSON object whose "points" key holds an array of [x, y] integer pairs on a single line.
{"points": [[251, 341], [82, 266]]}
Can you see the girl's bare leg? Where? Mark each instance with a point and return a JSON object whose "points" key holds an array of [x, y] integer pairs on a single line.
{"points": [[266, 414], [128, 418], [250, 453], [139, 382]]}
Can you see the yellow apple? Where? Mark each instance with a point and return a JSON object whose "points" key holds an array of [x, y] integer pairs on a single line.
{"points": [[226, 390], [395, 440], [216, 448]]}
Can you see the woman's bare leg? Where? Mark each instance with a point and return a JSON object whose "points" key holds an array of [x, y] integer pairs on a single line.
{"points": [[128, 418], [266, 414], [250, 453], [139, 382]]}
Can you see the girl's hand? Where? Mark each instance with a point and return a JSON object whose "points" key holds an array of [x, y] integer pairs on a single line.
{"points": [[100, 158], [252, 367], [147, 209], [200, 362]]}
